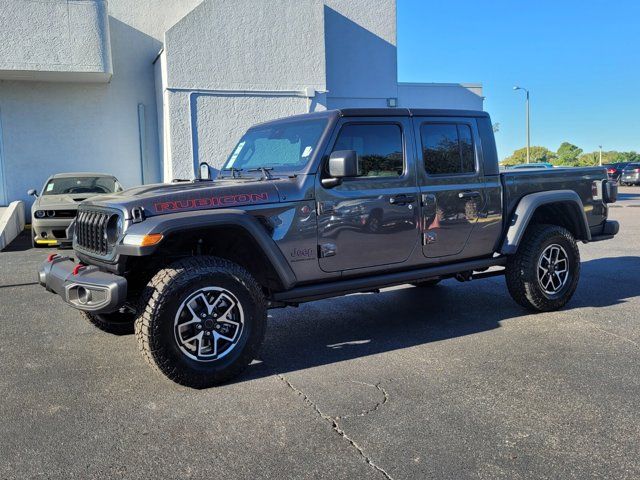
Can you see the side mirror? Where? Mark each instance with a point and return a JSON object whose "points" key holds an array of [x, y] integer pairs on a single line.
{"points": [[205, 171], [32, 193], [342, 164]]}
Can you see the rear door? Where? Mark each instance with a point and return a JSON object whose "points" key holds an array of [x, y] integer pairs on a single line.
{"points": [[372, 219], [450, 180]]}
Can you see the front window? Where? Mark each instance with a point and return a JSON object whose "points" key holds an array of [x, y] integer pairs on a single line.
{"points": [[379, 148], [282, 146], [81, 185]]}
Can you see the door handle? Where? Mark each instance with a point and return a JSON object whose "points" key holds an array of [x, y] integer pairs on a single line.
{"points": [[402, 199], [469, 194]]}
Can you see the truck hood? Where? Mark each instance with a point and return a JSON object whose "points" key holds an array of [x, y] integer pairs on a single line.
{"points": [[163, 198]]}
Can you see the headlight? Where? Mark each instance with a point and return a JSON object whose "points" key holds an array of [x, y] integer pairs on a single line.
{"points": [[51, 213], [114, 229], [39, 214]]}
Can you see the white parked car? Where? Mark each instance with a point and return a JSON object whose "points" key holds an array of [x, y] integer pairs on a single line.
{"points": [[57, 205]]}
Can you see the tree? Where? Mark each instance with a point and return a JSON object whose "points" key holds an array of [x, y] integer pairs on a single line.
{"points": [[568, 154], [538, 154]]}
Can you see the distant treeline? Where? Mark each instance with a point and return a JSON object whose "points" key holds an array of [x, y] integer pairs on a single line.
{"points": [[569, 155]]}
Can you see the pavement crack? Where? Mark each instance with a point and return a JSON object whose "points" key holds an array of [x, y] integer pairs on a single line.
{"points": [[619, 337], [375, 408], [334, 422]]}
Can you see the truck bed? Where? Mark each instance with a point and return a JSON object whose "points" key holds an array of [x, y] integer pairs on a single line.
{"points": [[518, 183]]}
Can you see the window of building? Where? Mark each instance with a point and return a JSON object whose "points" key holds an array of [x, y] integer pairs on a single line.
{"points": [[447, 148], [379, 148]]}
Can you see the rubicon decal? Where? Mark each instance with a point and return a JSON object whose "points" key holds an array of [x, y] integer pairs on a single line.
{"points": [[208, 202]]}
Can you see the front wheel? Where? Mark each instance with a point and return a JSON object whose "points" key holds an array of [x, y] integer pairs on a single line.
{"points": [[543, 274], [204, 321]]}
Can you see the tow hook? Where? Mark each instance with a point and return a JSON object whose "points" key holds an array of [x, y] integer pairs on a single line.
{"points": [[464, 276]]}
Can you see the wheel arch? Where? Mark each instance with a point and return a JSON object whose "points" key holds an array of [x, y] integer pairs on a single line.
{"points": [[560, 207], [231, 234]]}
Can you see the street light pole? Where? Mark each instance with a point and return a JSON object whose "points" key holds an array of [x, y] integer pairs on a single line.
{"points": [[600, 147], [528, 123]]}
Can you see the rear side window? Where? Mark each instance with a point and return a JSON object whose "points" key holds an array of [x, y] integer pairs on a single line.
{"points": [[379, 148], [447, 148]]}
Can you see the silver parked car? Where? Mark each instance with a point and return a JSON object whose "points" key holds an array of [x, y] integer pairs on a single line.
{"points": [[56, 206], [630, 174]]}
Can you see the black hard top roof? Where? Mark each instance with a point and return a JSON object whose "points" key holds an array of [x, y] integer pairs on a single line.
{"points": [[409, 112], [378, 112]]}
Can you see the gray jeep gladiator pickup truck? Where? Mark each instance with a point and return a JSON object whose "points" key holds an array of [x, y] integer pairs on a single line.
{"points": [[316, 206]]}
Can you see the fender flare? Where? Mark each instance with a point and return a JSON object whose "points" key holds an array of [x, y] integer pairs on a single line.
{"points": [[196, 220], [527, 207]]}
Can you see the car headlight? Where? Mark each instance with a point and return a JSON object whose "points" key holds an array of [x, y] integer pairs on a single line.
{"points": [[39, 214], [114, 229]]}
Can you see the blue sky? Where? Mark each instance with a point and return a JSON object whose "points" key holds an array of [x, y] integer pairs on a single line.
{"points": [[579, 59]]}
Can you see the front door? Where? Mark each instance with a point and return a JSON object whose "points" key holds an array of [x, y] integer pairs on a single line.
{"points": [[370, 220], [451, 187]]}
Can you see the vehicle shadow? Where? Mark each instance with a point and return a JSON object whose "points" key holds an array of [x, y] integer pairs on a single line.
{"points": [[628, 196], [335, 330], [21, 243]]}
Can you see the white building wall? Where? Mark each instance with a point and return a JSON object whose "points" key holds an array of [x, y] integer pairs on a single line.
{"points": [[463, 96], [360, 39], [57, 40], [52, 127], [227, 64], [231, 64]]}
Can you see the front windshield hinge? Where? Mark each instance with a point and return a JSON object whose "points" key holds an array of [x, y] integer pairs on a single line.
{"points": [[233, 171]]}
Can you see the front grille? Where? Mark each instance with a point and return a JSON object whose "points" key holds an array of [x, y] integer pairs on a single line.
{"points": [[91, 227], [65, 213]]}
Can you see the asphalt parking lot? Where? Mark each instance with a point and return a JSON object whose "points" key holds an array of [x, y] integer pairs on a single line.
{"points": [[451, 382]]}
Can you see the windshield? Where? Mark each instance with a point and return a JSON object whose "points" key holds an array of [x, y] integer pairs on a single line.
{"points": [[72, 185], [285, 146]]}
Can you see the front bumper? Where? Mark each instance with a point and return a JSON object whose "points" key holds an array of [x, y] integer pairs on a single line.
{"points": [[83, 287], [50, 231]]}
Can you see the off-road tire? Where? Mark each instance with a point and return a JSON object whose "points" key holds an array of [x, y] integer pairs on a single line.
{"points": [[162, 298], [116, 323], [522, 268]]}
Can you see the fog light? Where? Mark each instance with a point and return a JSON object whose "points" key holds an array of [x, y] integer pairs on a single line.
{"points": [[84, 295]]}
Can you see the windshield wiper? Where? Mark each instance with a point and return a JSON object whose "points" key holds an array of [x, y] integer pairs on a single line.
{"points": [[266, 172], [233, 171]]}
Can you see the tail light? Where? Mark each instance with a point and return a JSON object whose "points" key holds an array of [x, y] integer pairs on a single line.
{"points": [[611, 170], [636, 170]]}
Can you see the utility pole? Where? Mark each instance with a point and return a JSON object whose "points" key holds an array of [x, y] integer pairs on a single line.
{"points": [[528, 122], [600, 147]]}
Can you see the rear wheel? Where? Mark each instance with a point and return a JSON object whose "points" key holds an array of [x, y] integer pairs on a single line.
{"points": [[116, 323], [543, 274], [204, 321]]}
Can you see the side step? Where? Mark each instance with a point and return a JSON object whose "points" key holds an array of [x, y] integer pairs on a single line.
{"points": [[309, 293]]}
